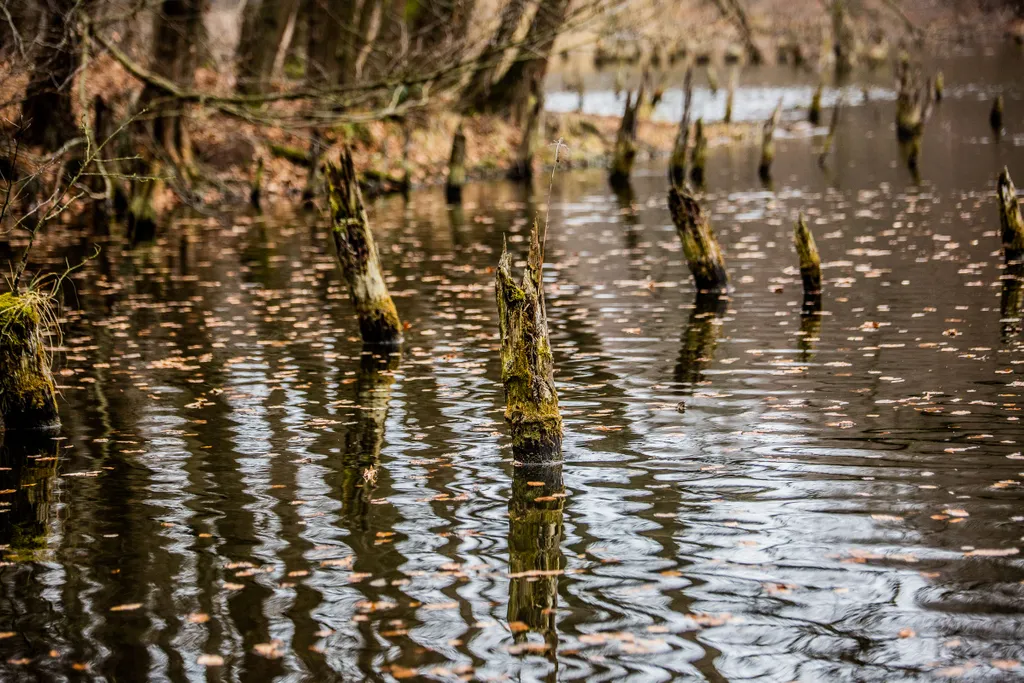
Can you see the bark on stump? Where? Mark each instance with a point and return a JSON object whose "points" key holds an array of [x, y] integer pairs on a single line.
{"points": [[357, 253], [810, 261], [527, 366], [1010, 220], [677, 162], [699, 156], [28, 398], [456, 168], [703, 255]]}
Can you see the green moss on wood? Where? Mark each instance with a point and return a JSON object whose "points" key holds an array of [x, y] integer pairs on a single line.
{"points": [[527, 365], [700, 247], [1010, 220], [810, 261], [28, 397]]}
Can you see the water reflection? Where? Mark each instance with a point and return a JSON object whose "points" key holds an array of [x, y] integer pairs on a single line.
{"points": [[1010, 300], [699, 339], [810, 326], [536, 562], [28, 464]]}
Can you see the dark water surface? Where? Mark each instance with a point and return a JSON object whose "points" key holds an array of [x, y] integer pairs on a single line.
{"points": [[749, 494]]}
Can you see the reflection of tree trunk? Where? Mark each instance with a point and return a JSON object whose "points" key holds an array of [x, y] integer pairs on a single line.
{"points": [[511, 94], [364, 438], [263, 27], [535, 552], [699, 339], [1011, 300], [810, 326], [29, 463], [47, 104]]}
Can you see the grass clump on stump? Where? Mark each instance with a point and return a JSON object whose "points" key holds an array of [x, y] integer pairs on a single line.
{"points": [[1010, 220], [357, 253], [810, 261], [703, 255], [28, 397], [527, 365]]}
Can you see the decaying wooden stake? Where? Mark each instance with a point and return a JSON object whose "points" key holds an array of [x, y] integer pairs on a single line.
{"points": [[456, 167], [913, 102], [677, 162], [814, 113], [699, 156], [810, 261], [700, 247], [1010, 220], [357, 253], [764, 169], [624, 153], [830, 138], [527, 365], [995, 117]]}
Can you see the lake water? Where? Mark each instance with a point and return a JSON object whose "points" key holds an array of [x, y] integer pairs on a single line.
{"points": [[239, 492]]}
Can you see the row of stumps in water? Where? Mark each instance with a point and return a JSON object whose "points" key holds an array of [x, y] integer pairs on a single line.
{"points": [[28, 400]]}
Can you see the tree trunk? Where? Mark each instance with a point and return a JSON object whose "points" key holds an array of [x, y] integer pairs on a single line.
{"points": [[357, 253], [624, 153], [511, 94], [479, 87], [47, 105], [456, 167], [677, 162], [527, 366], [263, 27], [699, 156]]}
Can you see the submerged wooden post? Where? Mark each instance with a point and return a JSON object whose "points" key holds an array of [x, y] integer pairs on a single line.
{"points": [[624, 153], [814, 113], [1010, 220], [700, 247], [913, 103], [764, 169], [677, 162], [810, 261], [456, 167], [699, 156], [28, 397], [357, 253], [995, 117], [527, 366]]}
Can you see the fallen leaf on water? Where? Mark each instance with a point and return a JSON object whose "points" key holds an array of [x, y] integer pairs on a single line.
{"points": [[127, 607], [209, 660]]}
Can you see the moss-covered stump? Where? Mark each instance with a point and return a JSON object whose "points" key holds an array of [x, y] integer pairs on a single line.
{"points": [[995, 116], [703, 255], [456, 168], [1010, 221], [913, 102], [527, 366], [810, 261], [764, 168], [814, 113], [677, 160], [357, 253], [28, 398], [699, 157], [624, 153], [535, 513]]}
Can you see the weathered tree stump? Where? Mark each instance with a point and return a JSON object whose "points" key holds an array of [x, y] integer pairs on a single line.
{"points": [[456, 167], [28, 397], [699, 156], [677, 161], [357, 253], [814, 113], [527, 365], [700, 247], [730, 94], [913, 102], [764, 169], [995, 117], [844, 39], [624, 153], [940, 86], [1010, 220], [535, 526], [810, 261]]}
